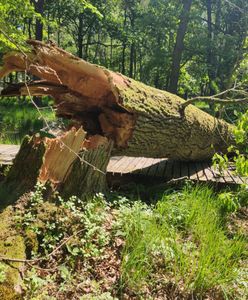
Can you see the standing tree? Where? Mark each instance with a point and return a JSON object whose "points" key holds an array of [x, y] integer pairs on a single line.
{"points": [[179, 46]]}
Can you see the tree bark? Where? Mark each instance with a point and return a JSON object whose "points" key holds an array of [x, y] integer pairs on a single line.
{"points": [[140, 120], [178, 49]]}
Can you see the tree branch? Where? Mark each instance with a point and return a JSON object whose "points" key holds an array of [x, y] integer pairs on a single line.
{"points": [[216, 98]]}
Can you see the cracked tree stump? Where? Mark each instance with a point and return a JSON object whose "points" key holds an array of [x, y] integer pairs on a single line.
{"points": [[70, 164]]}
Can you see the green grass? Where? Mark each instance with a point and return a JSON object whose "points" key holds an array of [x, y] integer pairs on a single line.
{"points": [[183, 239]]}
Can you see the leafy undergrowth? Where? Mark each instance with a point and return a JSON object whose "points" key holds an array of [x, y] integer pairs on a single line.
{"points": [[191, 244]]}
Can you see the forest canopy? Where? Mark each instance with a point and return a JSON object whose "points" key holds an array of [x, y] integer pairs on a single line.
{"points": [[187, 47]]}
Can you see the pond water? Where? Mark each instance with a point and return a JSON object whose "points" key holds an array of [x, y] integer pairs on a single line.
{"points": [[18, 120]]}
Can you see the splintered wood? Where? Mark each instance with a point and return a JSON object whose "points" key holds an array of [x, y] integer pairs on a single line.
{"points": [[60, 154]]}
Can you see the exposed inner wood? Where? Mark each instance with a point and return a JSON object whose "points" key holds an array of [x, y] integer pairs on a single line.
{"points": [[60, 154], [82, 91]]}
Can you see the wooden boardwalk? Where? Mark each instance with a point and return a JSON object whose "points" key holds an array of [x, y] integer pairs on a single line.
{"points": [[8, 153], [163, 168]]}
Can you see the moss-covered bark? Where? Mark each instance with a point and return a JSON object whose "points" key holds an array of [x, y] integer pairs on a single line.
{"points": [[12, 245], [162, 131], [23, 175]]}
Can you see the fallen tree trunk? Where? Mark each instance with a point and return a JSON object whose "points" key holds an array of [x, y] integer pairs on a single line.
{"points": [[140, 120]]}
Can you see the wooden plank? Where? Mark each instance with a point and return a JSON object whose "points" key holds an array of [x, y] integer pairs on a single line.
{"points": [[4, 148], [131, 165], [207, 172], [221, 176], [121, 165], [147, 164], [8, 153], [237, 179], [161, 168], [168, 173], [153, 170], [227, 177], [199, 172], [112, 162], [176, 170], [216, 175], [192, 171], [138, 164], [184, 169]]}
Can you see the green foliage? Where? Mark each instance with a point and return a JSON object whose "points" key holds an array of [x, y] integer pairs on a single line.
{"points": [[241, 131], [228, 202], [12, 15], [181, 236], [35, 283], [241, 136], [220, 162], [239, 150], [79, 225], [53, 226]]}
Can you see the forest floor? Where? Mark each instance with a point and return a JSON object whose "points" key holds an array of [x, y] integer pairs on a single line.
{"points": [[184, 244]]}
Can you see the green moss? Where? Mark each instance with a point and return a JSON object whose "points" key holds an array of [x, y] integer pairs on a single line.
{"points": [[23, 175], [31, 241], [11, 246], [162, 130]]}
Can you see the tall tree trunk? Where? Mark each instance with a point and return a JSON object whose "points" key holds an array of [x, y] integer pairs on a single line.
{"points": [[131, 65], [111, 52], [124, 46], [216, 58], [140, 120], [178, 49], [210, 66], [39, 8], [29, 28], [132, 48], [123, 58], [80, 35]]}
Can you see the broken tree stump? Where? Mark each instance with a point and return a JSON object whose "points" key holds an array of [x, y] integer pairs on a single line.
{"points": [[70, 164]]}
